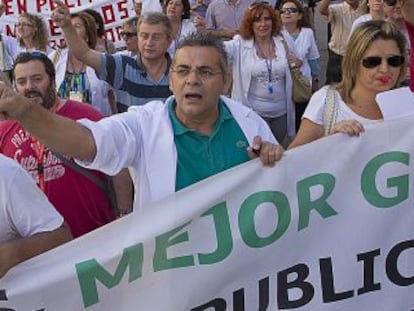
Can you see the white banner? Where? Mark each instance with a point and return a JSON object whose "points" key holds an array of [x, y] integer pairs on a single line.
{"points": [[330, 227], [113, 14]]}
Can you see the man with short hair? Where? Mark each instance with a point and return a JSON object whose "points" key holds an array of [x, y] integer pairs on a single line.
{"points": [[223, 17], [340, 16], [29, 224], [193, 135], [81, 201], [139, 80]]}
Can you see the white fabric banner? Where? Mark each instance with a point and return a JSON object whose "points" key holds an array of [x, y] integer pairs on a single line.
{"points": [[113, 14], [330, 227]]}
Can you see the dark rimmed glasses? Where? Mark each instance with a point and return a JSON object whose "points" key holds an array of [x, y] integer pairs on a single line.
{"points": [[289, 10], [374, 61]]}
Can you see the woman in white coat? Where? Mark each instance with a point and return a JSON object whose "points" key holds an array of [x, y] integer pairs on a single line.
{"points": [[178, 12], [301, 38], [261, 74]]}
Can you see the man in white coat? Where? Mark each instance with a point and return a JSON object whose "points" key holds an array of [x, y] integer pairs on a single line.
{"points": [[196, 133]]}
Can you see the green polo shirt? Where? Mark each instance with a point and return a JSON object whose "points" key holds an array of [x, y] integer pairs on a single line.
{"points": [[200, 156]]}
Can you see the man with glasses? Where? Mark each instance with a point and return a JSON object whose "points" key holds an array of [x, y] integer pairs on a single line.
{"points": [[223, 17], [136, 81], [340, 16], [195, 134]]}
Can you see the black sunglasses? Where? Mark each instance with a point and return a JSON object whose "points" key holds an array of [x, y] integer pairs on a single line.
{"points": [[289, 10], [126, 35], [390, 2], [374, 61]]}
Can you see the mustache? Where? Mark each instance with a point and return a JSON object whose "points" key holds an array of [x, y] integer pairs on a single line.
{"points": [[32, 93]]}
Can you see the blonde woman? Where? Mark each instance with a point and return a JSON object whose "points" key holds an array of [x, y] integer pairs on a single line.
{"points": [[374, 62]]}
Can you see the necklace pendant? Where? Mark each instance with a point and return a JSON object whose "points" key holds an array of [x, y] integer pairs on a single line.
{"points": [[270, 88]]}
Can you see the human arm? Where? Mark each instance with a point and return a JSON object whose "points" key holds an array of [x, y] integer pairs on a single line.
{"points": [[17, 251], [407, 9], [60, 134], [79, 48], [324, 8], [268, 152], [308, 132]]}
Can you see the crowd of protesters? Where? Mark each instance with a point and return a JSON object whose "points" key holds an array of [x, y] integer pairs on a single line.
{"points": [[104, 132]]}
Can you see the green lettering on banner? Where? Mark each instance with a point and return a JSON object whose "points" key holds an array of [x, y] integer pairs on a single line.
{"points": [[223, 235], [246, 217], [305, 203], [162, 242], [368, 184], [91, 271]]}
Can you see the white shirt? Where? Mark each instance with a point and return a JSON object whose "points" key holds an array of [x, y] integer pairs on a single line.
{"points": [[315, 110], [24, 209], [304, 48]]}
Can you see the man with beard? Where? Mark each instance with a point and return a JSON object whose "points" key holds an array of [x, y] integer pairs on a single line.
{"points": [[81, 202]]}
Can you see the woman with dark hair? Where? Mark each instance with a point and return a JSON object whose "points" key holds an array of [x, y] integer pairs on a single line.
{"points": [[374, 62], [298, 34], [178, 12], [76, 80], [261, 74], [102, 44]]}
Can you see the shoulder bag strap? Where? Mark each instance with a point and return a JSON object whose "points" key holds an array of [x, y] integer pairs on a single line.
{"points": [[330, 110], [81, 170]]}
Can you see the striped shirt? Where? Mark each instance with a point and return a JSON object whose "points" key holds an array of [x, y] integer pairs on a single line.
{"points": [[129, 78]]}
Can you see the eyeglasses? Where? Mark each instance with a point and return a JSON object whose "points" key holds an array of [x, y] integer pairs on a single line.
{"points": [[258, 4], [202, 73], [127, 35], [289, 10], [23, 25], [374, 61], [390, 2]]}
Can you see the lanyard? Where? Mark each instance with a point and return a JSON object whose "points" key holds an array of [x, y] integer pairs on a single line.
{"points": [[39, 149], [268, 64]]}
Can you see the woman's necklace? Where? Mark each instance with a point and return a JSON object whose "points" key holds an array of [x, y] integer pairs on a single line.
{"points": [[73, 67], [268, 61]]}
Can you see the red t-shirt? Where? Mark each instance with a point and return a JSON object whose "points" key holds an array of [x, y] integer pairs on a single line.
{"points": [[410, 29], [82, 203]]}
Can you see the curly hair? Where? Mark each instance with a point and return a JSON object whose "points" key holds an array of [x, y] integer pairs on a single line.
{"points": [[41, 35], [253, 13]]}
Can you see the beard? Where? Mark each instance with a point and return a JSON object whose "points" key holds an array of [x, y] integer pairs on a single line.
{"points": [[48, 99]]}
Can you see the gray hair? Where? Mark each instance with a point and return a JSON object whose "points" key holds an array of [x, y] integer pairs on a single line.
{"points": [[156, 18], [206, 39]]}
